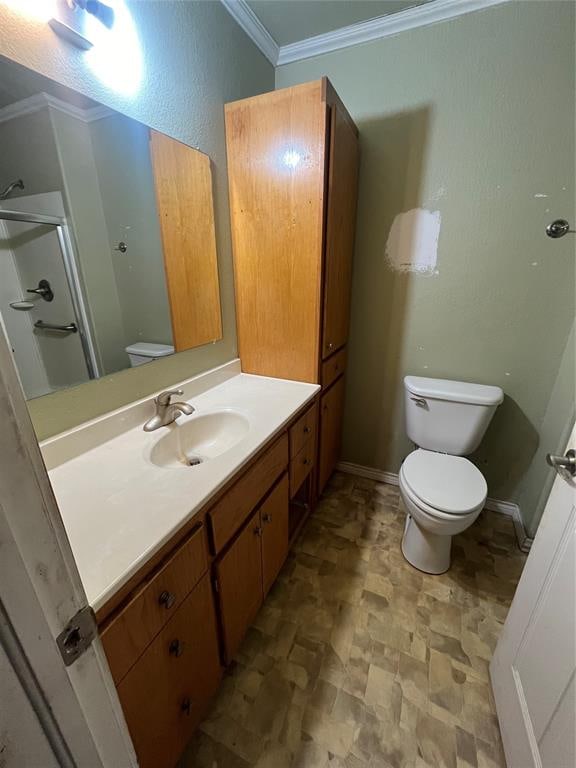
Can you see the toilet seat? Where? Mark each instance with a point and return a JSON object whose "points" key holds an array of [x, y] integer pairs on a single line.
{"points": [[444, 485]]}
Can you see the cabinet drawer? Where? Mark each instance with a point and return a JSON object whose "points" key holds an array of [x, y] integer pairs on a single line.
{"points": [[303, 430], [131, 630], [301, 465], [165, 694], [333, 367], [234, 507]]}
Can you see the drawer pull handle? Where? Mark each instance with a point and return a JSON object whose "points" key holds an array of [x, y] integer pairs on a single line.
{"points": [[257, 531], [267, 518], [330, 345], [186, 705], [167, 599], [176, 648], [306, 430], [304, 461]]}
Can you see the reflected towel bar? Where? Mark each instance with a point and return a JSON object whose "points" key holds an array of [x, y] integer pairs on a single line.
{"points": [[70, 328]]}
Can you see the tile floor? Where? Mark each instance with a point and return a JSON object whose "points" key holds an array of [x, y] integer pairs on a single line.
{"points": [[358, 660]]}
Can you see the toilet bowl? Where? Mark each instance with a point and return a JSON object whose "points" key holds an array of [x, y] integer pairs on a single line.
{"points": [[442, 491], [443, 495]]}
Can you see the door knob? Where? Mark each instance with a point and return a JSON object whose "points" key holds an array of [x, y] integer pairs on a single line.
{"points": [[566, 462]]}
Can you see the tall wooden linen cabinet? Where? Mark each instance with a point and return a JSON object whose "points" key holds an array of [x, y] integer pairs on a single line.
{"points": [[293, 170]]}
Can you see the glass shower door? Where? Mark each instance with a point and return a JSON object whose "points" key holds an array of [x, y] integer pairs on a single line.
{"points": [[39, 304]]}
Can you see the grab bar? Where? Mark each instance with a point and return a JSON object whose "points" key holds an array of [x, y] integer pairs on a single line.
{"points": [[70, 328]]}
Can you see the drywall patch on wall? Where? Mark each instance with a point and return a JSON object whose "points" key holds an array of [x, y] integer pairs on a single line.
{"points": [[412, 244]]}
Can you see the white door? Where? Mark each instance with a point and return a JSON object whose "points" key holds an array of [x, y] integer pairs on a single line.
{"points": [[50, 714], [533, 669]]}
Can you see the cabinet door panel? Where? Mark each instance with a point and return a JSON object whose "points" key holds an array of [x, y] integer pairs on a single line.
{"points": [[239, 574], [274, 517], [276, 157], [331, 412], [340, 230], [183, 181], [166, 692]]}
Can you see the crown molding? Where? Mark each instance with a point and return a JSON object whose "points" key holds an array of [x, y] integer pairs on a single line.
{"points": [[42, 100], [355, 34], [384, 26], [251, 24]]}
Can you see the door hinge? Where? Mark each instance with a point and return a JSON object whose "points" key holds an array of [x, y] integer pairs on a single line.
{"points": [[77, 635]]}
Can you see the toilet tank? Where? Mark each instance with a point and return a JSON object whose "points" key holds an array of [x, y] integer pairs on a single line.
{"points": [[448, 416], [146, 351]]}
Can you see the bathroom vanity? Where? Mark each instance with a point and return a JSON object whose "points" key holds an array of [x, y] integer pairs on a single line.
{"points": [[177, 557]]}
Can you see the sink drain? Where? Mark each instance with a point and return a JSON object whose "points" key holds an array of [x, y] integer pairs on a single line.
{"points": [[193, 461]]}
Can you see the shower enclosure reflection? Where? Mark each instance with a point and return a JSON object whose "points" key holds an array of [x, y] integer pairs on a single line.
{"points": [[107, 240], [47, 327]]}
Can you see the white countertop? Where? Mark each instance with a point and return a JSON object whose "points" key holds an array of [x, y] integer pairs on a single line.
{"points": [[119, 509]]}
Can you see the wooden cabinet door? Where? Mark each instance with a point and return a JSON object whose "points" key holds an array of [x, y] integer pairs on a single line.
{"points": [[274, 519], [165, 694], [340, 230], [331, 412], [275, 145], [183, 181], [239, 575]]}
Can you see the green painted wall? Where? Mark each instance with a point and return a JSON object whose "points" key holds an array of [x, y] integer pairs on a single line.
{"points": [[196, 58], [473, 118]]}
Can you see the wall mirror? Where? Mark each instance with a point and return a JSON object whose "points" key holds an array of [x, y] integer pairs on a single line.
{"points": [[107, 238]]}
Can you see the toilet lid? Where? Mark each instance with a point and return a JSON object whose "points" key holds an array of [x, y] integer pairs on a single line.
{"points": [[448, 483]]}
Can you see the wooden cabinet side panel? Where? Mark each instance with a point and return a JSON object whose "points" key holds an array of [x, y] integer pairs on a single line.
{"points": [[274, 520], [340, 230], [276, 169], [183, 181], [331, 413], [239, 576]]}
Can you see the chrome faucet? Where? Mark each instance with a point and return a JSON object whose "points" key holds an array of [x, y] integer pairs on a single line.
{"points": [[166, 411]]}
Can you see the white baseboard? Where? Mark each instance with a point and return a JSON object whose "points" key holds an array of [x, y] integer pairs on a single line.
{"points": [[513, 511], [494, 505], [372, 474]]}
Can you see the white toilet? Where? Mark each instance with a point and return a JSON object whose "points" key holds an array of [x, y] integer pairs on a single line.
{"points": [[442, 491], [145, 351]]}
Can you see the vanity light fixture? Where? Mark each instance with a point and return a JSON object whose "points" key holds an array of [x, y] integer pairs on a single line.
{"points": [[70, 20]]}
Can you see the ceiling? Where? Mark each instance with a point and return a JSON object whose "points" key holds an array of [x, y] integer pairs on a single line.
{"points": [[289, 21]]}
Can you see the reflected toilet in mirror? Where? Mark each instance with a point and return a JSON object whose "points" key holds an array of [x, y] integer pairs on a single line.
{"points": [[107, 238]]}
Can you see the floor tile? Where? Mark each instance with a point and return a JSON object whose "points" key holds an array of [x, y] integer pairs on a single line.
{"points": [[357, 660]]}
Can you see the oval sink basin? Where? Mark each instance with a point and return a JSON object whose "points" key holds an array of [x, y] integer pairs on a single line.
{"points": [[199, 439]]}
